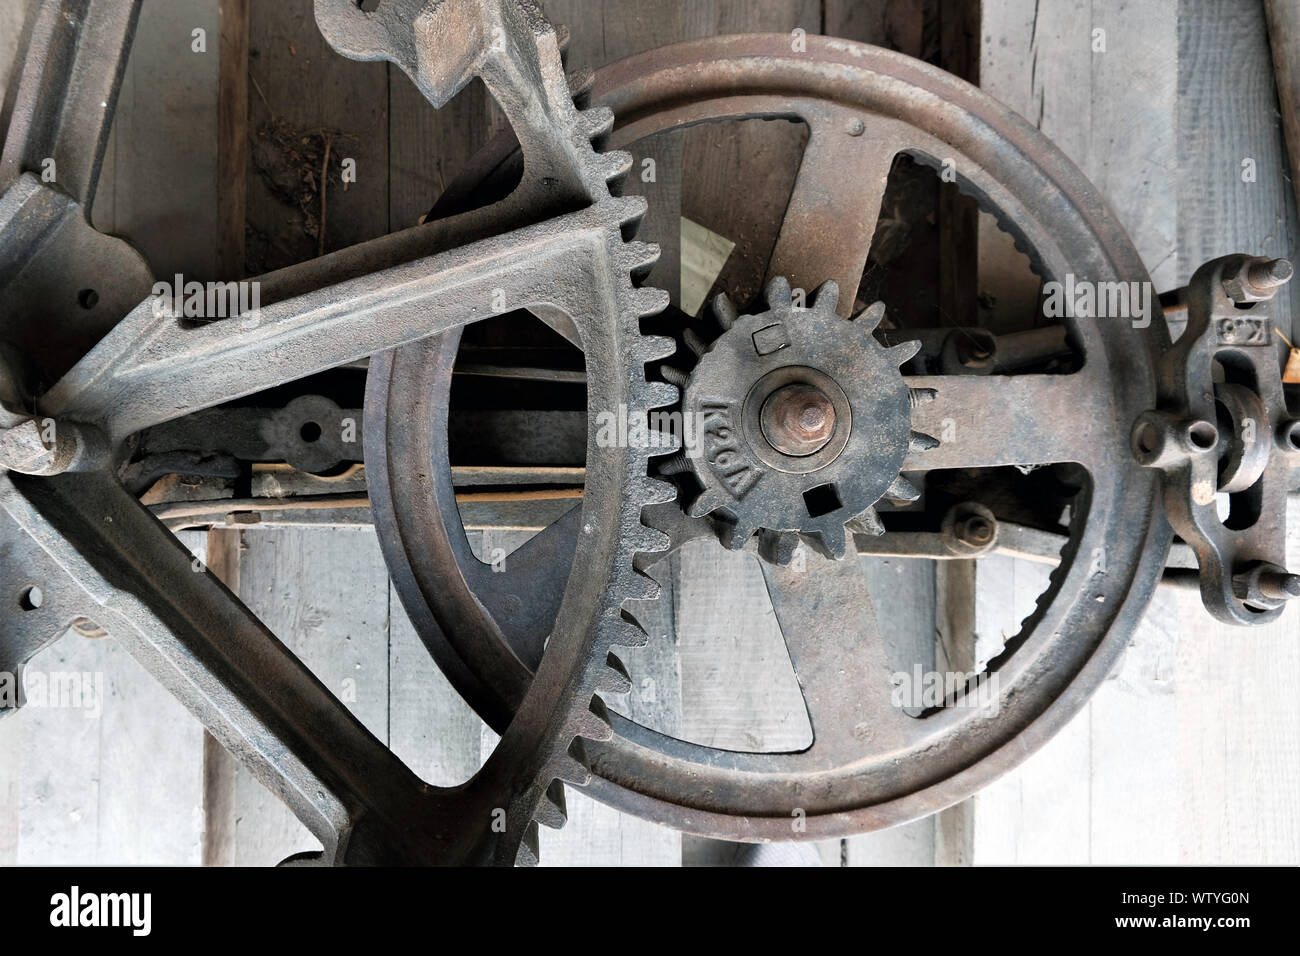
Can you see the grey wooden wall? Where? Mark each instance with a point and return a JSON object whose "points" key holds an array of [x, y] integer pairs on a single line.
{"points": [[1191, 753]]}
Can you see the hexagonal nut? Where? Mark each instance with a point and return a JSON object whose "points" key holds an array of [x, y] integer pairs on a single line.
{"points": [[1241, 287], [969, 528]]}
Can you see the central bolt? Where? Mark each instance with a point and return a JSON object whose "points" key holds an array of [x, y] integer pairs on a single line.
{"points": [[798, 420]]}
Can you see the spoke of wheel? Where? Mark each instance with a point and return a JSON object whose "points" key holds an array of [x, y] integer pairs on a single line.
{"points": [[154, 368], [831, 217], [208, 649], [67, 90], [829, 623], [524, 597], [990, 420]]}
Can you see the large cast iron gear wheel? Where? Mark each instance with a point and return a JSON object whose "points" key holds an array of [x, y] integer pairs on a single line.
{"points": [[565, 240], [870, 765], [799, 422]]}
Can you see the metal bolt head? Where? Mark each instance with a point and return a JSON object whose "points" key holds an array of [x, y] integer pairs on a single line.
{"points": [[1256, 279], [976, 530], [976, 348], [798, 420]]}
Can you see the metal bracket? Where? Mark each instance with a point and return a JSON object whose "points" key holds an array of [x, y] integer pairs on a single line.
{"points": [[1222, 435]]}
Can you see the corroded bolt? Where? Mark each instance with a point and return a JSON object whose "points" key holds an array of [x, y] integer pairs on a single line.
{"points": [[976, 530], [1266, 585], [1255, 280], [798, 420], [1269, 274], [1279, 585]]}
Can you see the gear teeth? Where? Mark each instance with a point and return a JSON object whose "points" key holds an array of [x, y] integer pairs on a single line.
{"points": [[921, 396], [528, 853], [868, 522], [552, 810], [650, 540], [651, 348], [617, 676], [870, 317], [834, 540], [639, 588], [572, 767], [706, 502], [922, 442], [653, 589], [724, 310], [593, 723], [630, 632], [678, 464], [661, 394], [628, 210], [827, 296], [777, 547], [648, 301], [735, 536], [694, 342], [902, 490], [616, 163], [638, 258], [674, 376], [778, 293], [904, 351], [658, 492], [596, 122], [662, 442]]}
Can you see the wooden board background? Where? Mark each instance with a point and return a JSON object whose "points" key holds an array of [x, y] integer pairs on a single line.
{"points": [[1191, 753]]}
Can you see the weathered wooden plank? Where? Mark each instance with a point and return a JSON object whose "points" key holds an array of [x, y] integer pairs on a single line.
{"points": [[1038, 813], [431, 728], [232, 138], [739, 690], [324, 593], [11, 752], [12, 18], [1228, 121], [160, 174], [311, 109], [150, 789], [428, 148], [126, 787]]}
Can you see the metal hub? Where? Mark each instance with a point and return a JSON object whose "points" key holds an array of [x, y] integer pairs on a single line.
{"points": [[798, 420], [803, 422]]}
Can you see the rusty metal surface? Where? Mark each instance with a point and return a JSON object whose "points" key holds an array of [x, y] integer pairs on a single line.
{"points": [[820, 404], [1231, 441], [98, 554], [870, 765]]}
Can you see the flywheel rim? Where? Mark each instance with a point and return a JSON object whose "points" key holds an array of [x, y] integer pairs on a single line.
{"points": [[1050, 671]]}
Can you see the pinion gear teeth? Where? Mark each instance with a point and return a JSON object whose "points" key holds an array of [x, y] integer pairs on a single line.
{"points": [[798, 435]]}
